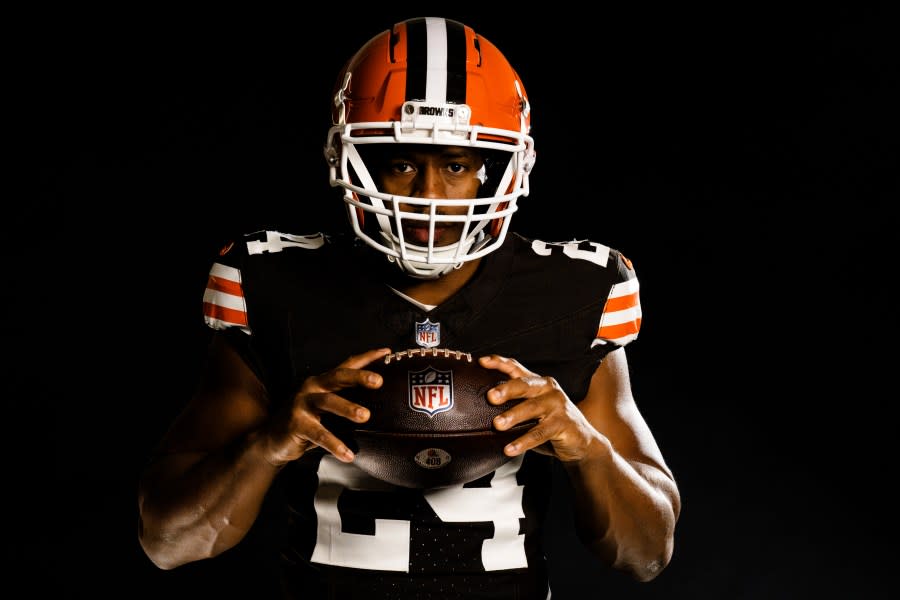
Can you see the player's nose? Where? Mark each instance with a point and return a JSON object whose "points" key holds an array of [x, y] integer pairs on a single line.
{"points": [[429, 183]]}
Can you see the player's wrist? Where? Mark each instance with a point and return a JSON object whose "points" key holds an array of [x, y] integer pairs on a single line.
{"points": [[260, 447], [596, 454]]}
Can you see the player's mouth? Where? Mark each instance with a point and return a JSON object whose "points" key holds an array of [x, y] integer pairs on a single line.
{"points": [[418, 234]]}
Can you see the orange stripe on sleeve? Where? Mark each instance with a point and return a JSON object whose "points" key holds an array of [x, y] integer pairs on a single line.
{"points": [[622, 302], [229, 315], [619, 330], [225, 285]]}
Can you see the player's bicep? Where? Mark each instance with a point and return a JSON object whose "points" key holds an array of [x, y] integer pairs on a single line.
{"points": [[609, 405], [228, 402]]}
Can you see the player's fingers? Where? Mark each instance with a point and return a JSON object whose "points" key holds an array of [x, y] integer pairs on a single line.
{"points": [[529, 386], [318, 435], [338, 405], [519, 413], [358, 361], [504, 364], [342, 378], [349, 373], [533, 438]]}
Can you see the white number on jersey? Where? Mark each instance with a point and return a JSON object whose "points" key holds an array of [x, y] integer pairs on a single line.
{"points": [[388, 549], [597, 254]]}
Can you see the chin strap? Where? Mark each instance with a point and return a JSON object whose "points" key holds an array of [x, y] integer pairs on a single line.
{"points": [[418, 270], [422, 270]]}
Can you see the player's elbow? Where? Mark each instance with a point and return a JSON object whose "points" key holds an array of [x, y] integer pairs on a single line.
{"points": [[157, 556], [647, 549], [645, 557], [161, 561], [163, 551], [647, 568], [641, 561], [158, 551], [168, 555], [641, 552]]}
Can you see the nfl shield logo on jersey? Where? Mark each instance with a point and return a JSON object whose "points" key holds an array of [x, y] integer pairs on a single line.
{"points": [[428, 334], [430, 391]]}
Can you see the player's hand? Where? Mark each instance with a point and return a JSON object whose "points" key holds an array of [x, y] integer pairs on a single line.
{"points": [[561, 430], [299, 427]]}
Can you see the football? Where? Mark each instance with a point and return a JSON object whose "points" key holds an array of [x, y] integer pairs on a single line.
{"points": [[430, 422]]}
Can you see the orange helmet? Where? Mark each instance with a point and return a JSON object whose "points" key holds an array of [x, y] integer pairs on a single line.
{"points": [[430, 81]]}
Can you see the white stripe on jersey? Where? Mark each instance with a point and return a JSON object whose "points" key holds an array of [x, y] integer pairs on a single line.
{"points": [[618, 317], [225, 272], [624, 288], [224, 299]]}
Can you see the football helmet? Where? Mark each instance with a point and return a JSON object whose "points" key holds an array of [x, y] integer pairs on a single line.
{"points": [[430, 81]]}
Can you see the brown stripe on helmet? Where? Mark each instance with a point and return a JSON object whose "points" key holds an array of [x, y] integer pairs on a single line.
{"points": [[456, 62], [416, 58]]}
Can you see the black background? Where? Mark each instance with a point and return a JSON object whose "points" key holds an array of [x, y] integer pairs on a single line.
{"points": [[743, 158]]}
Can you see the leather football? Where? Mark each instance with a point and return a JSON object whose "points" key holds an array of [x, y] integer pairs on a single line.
{"points": [[430, 422]]}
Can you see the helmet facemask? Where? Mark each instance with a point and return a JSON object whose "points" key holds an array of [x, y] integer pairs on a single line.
{"points": [[379, 218]]}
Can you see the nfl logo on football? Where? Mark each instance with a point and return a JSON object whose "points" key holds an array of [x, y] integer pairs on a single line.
{"points": [[428, 334], [430, 391]]}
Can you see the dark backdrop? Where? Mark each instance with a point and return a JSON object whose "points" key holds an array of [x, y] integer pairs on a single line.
{"points": [[743, 158]]}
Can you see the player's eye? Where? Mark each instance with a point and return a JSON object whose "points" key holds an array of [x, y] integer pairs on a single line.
{"points": [[402, 167]]}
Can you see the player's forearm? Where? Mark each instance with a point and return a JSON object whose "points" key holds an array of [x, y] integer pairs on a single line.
{"points": [[626, 511], [193, 509]]}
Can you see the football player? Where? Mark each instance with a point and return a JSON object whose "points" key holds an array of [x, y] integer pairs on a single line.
{"points": [[430, 148]]}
